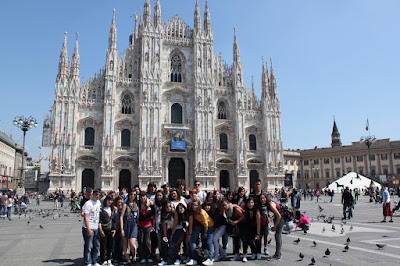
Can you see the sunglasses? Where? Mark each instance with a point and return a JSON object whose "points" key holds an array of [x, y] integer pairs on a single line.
{"points": [[197, 185]]}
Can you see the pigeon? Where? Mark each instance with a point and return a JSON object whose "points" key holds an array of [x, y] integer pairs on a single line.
{"points": [[327, 252], [59, 215], [320, 208], [348, 240], [41, 227], [313, 261], [301, 255], [66, 215], [333, 227], [297, 241], [314, 243], [346, 248], [80, 220], [351, 228], [342, 231], [323, 229], [29, 222], [380, 246]]}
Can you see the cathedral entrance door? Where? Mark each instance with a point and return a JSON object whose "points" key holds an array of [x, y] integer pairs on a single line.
{"points": [[224, 179], [125, 179], [176, 170], [87, 178], [253, 178]]}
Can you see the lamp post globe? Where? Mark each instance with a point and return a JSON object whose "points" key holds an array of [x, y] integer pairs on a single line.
{"points": [[24, 124]]}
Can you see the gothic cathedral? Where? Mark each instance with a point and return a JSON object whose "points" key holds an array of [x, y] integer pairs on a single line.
{"points": [[166, 108]]}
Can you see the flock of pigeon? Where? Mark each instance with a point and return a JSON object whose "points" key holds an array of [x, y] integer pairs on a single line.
{"points": [[329, 220], [45, 213]]}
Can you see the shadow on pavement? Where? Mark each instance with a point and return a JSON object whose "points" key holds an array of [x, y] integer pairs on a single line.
{"points": [[67, 262]]}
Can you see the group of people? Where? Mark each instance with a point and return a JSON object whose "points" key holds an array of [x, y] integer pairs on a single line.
{"points": [[185, 226], [9, 200]]}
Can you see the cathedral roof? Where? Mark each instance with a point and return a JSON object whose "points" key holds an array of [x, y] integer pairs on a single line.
{"points": [[175, 27]]}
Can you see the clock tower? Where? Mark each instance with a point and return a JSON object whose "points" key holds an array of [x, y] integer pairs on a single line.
{"points": [[335, 136]]}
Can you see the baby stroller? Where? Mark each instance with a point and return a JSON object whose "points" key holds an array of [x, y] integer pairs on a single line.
{"points": [[76, 206]]}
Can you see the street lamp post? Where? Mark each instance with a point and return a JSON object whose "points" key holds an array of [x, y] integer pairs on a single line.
{"points": [[24, 124], [368, 140]]}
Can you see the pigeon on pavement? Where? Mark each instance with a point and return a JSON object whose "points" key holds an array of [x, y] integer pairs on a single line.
{"points": [[380, 246], [297, 241]]}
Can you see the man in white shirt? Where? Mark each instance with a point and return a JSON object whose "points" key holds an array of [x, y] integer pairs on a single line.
{"points": [[90, 229], [199, 193]]}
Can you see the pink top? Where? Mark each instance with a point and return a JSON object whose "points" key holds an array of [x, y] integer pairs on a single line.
{"points": [[303, 219]]}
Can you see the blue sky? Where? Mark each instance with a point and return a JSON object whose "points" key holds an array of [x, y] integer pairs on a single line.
{"points": [[331, 58]]}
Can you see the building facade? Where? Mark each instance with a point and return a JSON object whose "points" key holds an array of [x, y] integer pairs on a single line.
{"points": [[319, 167], [168, 107]]}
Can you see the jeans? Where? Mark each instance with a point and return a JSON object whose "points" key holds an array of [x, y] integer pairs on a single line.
{"points": [[210, 244], [242, 237], [171, 245], [220, 232], [9, 212], [90, 253], [196, 230], [347, 209], [278, 238], [106, 243], [3, 210], [144, 242]]}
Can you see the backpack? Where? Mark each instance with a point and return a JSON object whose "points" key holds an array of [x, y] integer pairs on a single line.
{"points": [[201, 254], [286, 212]]}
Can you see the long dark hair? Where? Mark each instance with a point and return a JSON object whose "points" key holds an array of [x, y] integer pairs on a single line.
{"points": [[181, 216], [177, 193], [160, 203], [164, 214]]}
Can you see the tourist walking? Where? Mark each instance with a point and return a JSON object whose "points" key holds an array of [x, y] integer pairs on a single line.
{"points": [[347, 201], [387, 211]]}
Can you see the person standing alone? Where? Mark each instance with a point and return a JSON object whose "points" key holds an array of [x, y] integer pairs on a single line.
{"points": [[387, 211], [347, 201]]}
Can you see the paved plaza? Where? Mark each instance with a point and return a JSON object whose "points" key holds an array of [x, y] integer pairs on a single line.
{"points": [[60, 242]]}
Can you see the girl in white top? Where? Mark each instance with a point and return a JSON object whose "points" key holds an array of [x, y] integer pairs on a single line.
{"points": [[175, 198]]}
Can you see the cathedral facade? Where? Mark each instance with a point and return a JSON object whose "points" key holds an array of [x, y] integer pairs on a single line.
{"points": [[166, 108]]}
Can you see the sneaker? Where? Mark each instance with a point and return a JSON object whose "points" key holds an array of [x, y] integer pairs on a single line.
{"points": [[105, 263], [208, 262], [177, 262], [236, 257], [383, 221], [391, 221], [259, 256], [223, 254], [192, 262], [266, 251], [244, 258], [161, 263], [97, 264], [89, 265], [275, 257], [143, 261], [150, 261], [253, 256]]}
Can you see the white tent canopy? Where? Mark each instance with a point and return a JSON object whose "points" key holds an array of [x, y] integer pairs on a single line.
{"points": [[352, 180]]}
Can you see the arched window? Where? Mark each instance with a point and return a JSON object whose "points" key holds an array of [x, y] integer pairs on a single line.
{"points": [[221, 110], [253, 142], [223, 141], [89, 136], [176, 113], [126, 104], [125, 138], [176, 68]]}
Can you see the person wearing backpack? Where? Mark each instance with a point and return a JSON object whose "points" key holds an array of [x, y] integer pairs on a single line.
{"points": [[277, 228], [295, 199], [107, 231]]}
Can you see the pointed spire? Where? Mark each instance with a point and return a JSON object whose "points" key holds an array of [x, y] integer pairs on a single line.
{"points": [[112, 41], [335, 129], [136, 25], [140, 20], [207, 21], [335, 135], [157, 14], [252, 87], [75, 59], [63, 65], [236, 52], [272, 80], [197, 19], [147, 14]]}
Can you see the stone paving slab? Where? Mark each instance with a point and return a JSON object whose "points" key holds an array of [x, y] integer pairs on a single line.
{"points": [[60, 241]]}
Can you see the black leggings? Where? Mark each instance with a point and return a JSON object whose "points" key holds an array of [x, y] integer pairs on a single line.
{"points": [[106, 245], [242, 237], [255, 245]]}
